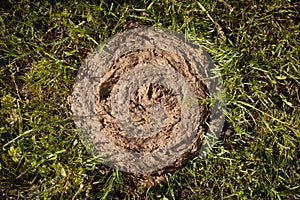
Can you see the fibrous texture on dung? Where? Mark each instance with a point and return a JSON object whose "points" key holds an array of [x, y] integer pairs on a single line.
{"points": [[136, 100]]}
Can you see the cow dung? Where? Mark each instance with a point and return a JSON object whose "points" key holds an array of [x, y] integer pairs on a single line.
{"points": [[136, 101]]}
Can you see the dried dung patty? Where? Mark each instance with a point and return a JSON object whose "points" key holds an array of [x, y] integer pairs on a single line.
{"points": [[136, 100]]}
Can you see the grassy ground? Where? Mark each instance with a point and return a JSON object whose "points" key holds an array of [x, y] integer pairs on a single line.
{"points": [[255, 45]]}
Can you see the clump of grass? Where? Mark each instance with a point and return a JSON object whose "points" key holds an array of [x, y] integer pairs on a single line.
{"points": [[255, 45]]}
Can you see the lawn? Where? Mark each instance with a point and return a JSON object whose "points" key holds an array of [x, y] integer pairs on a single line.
{"points": [[254, 44]]}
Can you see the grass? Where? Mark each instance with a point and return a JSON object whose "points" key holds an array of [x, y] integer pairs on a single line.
{"points": [[255, 44]]}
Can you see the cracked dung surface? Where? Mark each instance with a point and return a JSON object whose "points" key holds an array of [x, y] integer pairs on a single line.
{"points": [[131, 110], [135, 100]]}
